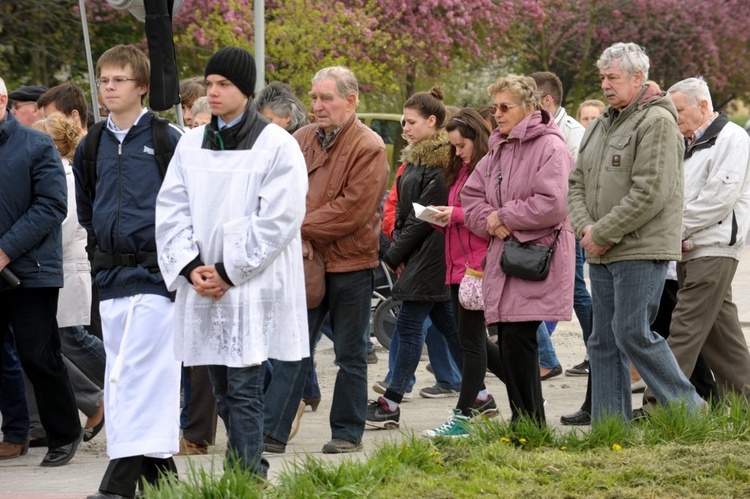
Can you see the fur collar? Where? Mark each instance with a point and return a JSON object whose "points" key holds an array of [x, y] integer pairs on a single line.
{"points": [[434, 152]]}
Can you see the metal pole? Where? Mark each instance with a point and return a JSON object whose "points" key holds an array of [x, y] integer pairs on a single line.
{"points": [[90, 61], [260, 46]]}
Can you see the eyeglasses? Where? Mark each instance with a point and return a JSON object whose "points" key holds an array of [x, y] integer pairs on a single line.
{"points": [[116, 81], [502, 107], [19, 105]]}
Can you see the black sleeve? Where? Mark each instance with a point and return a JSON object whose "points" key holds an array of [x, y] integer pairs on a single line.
{"points": [[223, 272], [197, 262]]}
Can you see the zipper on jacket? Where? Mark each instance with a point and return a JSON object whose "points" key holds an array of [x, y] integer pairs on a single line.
{"points": [[500, 188], [119, 194]]}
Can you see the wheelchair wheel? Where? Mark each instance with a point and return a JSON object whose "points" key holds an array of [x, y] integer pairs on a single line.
{"points": [[384, 320]]}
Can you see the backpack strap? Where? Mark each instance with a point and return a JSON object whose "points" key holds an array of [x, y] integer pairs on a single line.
{"points": [[163, 150], [90, 150]]}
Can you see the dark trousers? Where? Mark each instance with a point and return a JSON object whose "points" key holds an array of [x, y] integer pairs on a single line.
{"points": [[472, 332], [13, 408], [123, 475], [31, 312], [348, 300], [515, 360], [199, 413]]}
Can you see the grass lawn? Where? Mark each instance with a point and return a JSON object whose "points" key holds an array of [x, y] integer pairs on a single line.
{"points": [[671, 455]]}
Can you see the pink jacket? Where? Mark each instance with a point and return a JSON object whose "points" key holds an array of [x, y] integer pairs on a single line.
{"points": [[462, 246], [529, 170]]}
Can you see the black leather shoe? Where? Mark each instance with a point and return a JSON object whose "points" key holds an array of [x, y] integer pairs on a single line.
{"points": [[551, 373], [100, 494], [61, 455], [579, 418]]}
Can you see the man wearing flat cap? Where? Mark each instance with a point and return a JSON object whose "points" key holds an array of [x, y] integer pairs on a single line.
{"points": [[24, 106]]}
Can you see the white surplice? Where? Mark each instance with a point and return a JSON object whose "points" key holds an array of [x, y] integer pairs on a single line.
{"points": [[243, 208]]}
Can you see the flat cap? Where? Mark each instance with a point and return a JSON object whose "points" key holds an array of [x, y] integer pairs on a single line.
{"points": [[29, 93]]}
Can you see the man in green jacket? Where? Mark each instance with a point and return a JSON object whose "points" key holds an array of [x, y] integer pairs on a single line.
{"points": [[625, 203]]}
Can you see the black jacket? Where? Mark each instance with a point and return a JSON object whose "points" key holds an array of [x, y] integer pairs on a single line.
{"points": [[416, 243]]}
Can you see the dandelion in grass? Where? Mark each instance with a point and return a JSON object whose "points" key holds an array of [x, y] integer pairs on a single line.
{"points": [[505, 440], [522, 440], [563, 447], [616, 447]]}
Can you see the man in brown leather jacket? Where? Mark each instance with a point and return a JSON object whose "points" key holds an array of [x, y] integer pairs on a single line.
{"points": [[347, 174]]}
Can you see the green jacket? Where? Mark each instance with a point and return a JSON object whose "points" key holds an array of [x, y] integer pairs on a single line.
{"points": [[628, 181]]}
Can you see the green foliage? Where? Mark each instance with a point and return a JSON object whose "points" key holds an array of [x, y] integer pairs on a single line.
{"points": [[672, 454]]}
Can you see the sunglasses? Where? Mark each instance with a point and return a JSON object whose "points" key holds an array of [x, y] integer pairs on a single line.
{"points": [[502, 107]]}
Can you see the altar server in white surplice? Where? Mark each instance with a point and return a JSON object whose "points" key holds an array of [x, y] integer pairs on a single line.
{"points": [[228, 221]]}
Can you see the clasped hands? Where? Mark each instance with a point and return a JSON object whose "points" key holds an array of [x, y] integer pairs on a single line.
{"points": [[496, 228], [207, 282], [587, 243]]}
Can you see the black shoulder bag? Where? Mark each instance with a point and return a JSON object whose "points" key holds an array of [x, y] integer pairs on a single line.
{"points": [[527, 261]]}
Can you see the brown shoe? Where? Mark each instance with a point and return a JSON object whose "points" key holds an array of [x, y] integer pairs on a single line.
{"points": [[190, 448], [9, 450]]}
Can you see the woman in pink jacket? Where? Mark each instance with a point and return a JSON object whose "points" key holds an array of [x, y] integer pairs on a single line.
{"points": [[518, 190], [468, 134]]}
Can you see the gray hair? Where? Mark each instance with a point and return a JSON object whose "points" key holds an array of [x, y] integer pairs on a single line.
{"points": [[280, 99], [200, 106], [3, 88], [632, 58], [346, 82], [695, 90]]}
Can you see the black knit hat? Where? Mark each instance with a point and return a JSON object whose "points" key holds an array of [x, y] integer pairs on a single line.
{"points": [[236, 65]]}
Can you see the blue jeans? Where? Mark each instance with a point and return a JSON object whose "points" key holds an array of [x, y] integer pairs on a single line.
{"points": [[447, 374], [348, 301], [84, 350], [239, 397], [13, 395], [409, 325], [547, 356], [581, 296], [625, 299]]}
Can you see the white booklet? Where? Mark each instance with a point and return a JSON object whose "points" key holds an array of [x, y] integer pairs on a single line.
{"points": [[426, 213]]}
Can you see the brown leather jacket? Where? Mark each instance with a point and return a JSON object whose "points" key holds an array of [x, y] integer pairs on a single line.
{"points": [[346, 184]]}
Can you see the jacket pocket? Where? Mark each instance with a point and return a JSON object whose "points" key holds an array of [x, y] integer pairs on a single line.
{"points": [[618, 157]]}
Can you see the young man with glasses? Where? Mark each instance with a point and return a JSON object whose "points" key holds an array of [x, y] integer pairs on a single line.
{"points": [[116, 204]]}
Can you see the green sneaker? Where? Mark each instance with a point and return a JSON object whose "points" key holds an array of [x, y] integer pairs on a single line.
{"points": [[456, 426]]}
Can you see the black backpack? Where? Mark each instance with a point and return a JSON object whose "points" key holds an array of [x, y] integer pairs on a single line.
{"points": [[163, 151]]}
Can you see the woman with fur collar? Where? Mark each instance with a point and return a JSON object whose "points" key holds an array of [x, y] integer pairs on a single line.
{"points": [[417, 253]]}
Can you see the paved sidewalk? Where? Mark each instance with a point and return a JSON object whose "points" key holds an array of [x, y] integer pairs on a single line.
{"points": [[23, 477]]}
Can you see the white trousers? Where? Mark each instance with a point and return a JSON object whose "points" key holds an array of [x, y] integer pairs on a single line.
{"points": [[142, 379]]}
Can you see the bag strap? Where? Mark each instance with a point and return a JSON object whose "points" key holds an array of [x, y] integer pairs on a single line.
{"points": [[554, 243]]}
